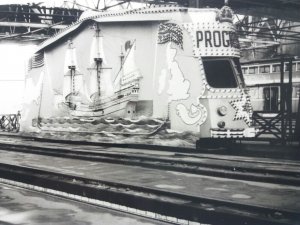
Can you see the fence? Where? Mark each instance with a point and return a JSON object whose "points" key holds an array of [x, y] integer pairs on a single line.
{"points": [[10, 122], [276, 125]]}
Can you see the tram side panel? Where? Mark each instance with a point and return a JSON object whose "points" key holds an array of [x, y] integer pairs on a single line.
{"points": [[177, 79], [173, 82]]}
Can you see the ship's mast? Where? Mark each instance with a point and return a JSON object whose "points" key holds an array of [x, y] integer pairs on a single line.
{"points": [[98, 59], [121, 58], [72, 68], [72, 71]]}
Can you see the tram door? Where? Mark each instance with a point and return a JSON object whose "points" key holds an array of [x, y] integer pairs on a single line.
{"points": [[271, 99]]}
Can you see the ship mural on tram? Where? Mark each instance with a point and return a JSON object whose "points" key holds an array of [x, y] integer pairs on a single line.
{"points": [[173, 63], [262, 77]]}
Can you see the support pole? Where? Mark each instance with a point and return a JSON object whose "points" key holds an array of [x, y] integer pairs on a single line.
{"points": [[282, 102], [289, 98], [297, 128]]}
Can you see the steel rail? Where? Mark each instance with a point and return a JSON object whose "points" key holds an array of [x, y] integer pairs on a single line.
{"points": [[232, 149], [232, 171]]}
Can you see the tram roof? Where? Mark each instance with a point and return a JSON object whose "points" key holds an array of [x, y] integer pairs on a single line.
{"points": [[145, 14]]}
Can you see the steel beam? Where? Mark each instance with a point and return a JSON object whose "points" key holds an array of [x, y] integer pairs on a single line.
{"points": [[31, 25], [281, 9]]}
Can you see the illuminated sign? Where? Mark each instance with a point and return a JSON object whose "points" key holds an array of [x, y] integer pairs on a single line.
{"points": [[215, 39]]}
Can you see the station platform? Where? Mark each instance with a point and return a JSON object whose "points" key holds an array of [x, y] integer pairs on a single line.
{"points": [[281, 197], [21, 206]]}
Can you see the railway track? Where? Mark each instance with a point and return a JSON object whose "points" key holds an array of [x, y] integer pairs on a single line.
{"points": [[167, 206], [241, 168], [170, 206]]}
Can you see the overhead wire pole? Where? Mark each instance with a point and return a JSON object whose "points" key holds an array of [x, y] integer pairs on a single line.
{"points": [[289, 100], [282, 101], [297, 128], [98, 3]]}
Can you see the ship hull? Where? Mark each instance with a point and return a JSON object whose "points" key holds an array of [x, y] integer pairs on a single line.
{"points": [[119, 107]]}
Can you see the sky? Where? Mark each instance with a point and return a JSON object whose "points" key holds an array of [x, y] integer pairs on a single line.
{"points": [[13, 61]]}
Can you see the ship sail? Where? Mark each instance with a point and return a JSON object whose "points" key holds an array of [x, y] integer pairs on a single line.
{"points": [[97, 52], [107, 89], [93, 82], [73, 79], [100, 80], [129, 72]]}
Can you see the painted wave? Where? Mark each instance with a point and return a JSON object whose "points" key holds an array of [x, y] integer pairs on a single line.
{"points": [[143, 130]]}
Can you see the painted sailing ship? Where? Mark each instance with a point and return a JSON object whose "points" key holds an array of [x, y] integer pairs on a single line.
{"points": [[105, 97]]}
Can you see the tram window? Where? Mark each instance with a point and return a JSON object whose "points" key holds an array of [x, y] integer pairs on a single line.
{"points": [[219, 73], [286, 67], [298, 66], [253, 70], [264, 69], [276, 68], [297, 92], [245, 70], [294, 92], [270, 99]]}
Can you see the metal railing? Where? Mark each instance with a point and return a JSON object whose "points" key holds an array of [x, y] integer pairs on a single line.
{"points": [[10, 122], [276, 125]]}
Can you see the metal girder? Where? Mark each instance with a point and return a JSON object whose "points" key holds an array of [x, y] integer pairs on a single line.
{"points": [[38, 14], [284, 13], [269, 28], [32, 25], [281, 9], [260, 32], [100, 5], [34, 22]]}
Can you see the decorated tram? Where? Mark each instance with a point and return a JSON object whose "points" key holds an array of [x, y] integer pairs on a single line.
{"points": [[177, 64]]}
